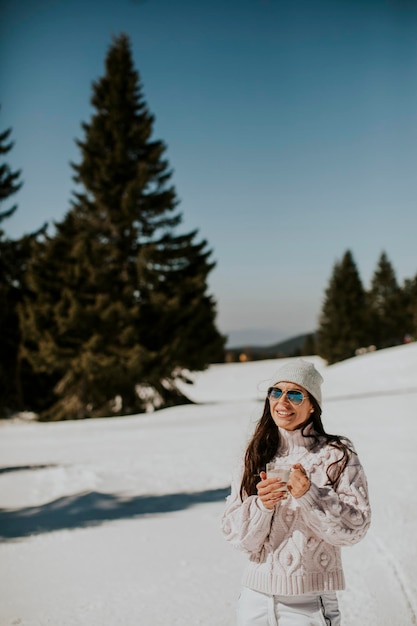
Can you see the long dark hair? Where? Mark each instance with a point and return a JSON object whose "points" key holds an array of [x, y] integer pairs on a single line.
{"points": [[265, 441]]}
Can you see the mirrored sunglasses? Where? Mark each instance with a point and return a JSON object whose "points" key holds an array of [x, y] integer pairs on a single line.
{"points": [[293, 395]]}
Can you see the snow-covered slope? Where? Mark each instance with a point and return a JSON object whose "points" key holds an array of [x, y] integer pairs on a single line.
{"points": [[116, 522]]}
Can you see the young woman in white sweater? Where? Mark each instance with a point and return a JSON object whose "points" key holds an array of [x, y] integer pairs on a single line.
{"points": [[293, 533]]}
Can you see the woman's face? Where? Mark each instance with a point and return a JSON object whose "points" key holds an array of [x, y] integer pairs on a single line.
{"points": [[287, 415]]}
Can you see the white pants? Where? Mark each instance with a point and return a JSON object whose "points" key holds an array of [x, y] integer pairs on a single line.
{"points": [[260, 609]]}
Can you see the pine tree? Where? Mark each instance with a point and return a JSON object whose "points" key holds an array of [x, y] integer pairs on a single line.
{"points": [[344, 319], [119, 306], [309, 346], [9, 180], [410, 306], [387, 306], [10, 396], [17, 379]]}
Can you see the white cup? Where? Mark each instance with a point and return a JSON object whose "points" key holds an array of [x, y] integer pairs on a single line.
{"points": [[277, 470]]}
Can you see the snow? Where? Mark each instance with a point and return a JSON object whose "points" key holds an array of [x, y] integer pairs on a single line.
{"points": [[117, 521]]}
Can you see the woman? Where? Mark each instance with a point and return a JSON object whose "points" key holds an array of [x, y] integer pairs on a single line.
{"points": [[293, 537]]}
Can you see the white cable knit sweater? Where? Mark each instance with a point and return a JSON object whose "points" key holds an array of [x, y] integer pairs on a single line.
{"points": [[295, 548]]}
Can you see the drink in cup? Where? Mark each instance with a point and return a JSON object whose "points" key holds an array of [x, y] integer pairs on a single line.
{"points": [[277, 470]]}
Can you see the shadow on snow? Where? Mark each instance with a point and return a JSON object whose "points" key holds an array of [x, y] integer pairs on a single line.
{"points": [[25, 468], [91, 509]]}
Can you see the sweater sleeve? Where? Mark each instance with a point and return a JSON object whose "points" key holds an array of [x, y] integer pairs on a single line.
{"points": [[246, 524], [341, 516]]}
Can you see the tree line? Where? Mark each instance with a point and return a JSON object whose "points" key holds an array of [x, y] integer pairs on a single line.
{"points": [[103, 316], [354, 318]]}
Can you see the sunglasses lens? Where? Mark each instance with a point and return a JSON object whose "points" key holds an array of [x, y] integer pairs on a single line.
{"points": [[295, 397], [274, 393]]}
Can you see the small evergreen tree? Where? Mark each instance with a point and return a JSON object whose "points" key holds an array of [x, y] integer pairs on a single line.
{"points": [[410, 307], [9, 180], [309, 346], [387, 306], [344, 319], [119, 305]]}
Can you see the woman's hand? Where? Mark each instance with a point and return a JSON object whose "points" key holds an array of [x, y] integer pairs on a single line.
{"points": [[269, 491], [299, 484]]}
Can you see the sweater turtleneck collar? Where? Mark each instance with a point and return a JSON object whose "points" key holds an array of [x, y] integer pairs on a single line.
{"points": [[294, 440]]}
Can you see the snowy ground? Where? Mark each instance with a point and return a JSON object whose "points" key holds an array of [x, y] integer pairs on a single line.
{"points": [[116, 522]]}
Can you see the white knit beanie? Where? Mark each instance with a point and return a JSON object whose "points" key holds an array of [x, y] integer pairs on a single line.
{"points": [[302, 373]]}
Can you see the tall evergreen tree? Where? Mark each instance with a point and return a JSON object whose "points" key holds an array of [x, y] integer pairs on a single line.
{"points": [[119, 304], [17, 379], [387, 306], [344, 319], [10, 396]]}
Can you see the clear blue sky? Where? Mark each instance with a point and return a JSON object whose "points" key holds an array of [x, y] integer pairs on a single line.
{"points": [[291, 128]]}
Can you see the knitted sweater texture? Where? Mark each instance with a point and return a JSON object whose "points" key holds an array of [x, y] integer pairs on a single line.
{"points": [[295, 548]]}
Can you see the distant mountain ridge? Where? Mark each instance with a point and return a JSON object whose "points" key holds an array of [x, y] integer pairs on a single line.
{"points": [[252, 336], [290, 347]]}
